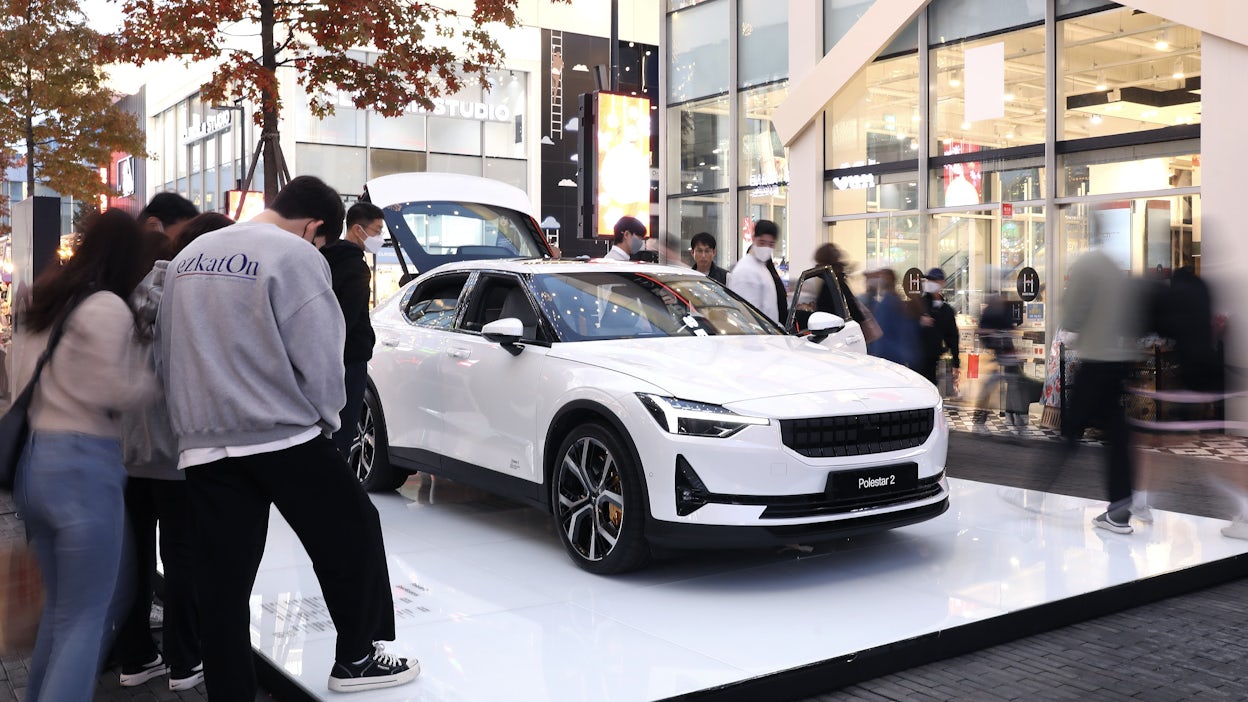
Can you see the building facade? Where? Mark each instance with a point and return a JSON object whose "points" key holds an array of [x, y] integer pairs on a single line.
{"points": [[991, 138]]}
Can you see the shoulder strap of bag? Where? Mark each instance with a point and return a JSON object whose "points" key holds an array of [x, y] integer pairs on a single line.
{"points": [[58, 330]]}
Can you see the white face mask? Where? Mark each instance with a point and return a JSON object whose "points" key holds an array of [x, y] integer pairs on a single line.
{"points": [[931, 287], [373, 244], [762, 253]]}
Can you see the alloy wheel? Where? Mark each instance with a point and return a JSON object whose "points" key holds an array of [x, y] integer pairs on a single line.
{"points": [[590, 496], [364, 446]]}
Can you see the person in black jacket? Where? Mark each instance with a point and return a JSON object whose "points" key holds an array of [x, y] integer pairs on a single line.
{"points": [[938, 328], [702, 249], [352, 281]]}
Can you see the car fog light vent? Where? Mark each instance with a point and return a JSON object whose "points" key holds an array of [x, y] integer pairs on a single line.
{"points": [[691, 492]]}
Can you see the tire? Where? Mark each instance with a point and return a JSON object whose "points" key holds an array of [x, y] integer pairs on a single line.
{"points": [[598, 501], [370, 452]]}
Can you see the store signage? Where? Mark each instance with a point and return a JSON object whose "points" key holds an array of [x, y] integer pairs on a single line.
{"points": [[861, 181], [210, 125], [1028, 284], [912, 282], [763, 188], [449, 107], [1007, 210]]}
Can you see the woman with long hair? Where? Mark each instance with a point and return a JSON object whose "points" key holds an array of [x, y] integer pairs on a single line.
{"points": [[70, 480]]}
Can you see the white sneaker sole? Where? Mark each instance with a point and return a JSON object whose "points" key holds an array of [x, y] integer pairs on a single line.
{"points": [[362, 684], [186, 683], [136, 679]]}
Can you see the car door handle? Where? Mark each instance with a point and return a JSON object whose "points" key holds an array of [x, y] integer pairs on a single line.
{"points": [[853, 339], [389, 342], [459, 353]]}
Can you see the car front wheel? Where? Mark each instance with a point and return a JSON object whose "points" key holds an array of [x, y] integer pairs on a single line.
{"points": [[597, 496], [370, 458]]}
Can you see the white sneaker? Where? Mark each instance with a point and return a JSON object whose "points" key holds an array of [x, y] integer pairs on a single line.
{"points": [[379, 670], [133, 675], [186, 679], [1144, 513], [1237, 529], [1103, 521]]}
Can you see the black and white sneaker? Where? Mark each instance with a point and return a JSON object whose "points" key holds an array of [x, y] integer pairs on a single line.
{"points": [[132, 675], [1104, 521], [377, 671], [186, 679]]}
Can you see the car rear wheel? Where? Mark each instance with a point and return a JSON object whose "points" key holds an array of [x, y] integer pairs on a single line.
{"points": [[599, 509], [370, 457]]}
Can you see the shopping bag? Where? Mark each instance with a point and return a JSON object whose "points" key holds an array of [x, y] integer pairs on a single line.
{"points": [[21, 598], [14, 429]]}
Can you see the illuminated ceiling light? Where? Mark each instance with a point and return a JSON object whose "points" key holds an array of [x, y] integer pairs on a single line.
{"points": [[1178, 69], [1163, 41], [1009, 133], [1008, 97], [915, 118], [955, 79], [1101, 85], [901, 136], [966, 125], [1096, 119]]}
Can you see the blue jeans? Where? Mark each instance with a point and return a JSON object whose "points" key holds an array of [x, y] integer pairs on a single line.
{"points": [[70, 492]]}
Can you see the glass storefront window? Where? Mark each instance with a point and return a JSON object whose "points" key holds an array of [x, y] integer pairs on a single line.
{"points": [[699, 135], [456, 136], [864, 192], [1124, 71], [1131, 169], [183, 116], [342, 167], [1150, 236], [505, 139], [839, 16], [344, 128], [388, 161], [447, 163], [989, 93], [768, 202], [687, 216], [698, 51], [950, 20], [510, 171], [763, 159], [875, 118], [977, 182], [404, 132], [763, 50]]}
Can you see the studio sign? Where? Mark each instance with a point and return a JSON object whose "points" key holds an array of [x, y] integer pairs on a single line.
{"points": [[862, 181], [449, 107], [212, 124]]}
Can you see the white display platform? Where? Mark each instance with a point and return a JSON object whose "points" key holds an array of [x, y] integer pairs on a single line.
{"points": [[487, 601]]}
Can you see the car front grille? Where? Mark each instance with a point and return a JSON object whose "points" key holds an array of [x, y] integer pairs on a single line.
{"points": [[858, 434]]}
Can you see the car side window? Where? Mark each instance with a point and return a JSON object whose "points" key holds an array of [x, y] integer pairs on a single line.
{"points": [[497, 297], [435, 301]]}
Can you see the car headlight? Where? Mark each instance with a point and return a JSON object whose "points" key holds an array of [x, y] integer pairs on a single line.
{"points": [[696, 418]]}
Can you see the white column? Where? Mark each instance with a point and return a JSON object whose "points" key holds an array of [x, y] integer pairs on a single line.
{"points": [[1224, 151], [806, 152]]}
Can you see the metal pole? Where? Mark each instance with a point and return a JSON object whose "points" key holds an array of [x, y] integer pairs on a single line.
{"points": [[615, 45]]}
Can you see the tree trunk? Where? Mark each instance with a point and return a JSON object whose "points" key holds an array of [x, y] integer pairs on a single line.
{"points": [[30, 136], [269, 130]]}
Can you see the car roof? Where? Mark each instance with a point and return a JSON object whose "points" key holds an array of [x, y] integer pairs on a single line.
{"points": [[446, 187], [540, 265]]}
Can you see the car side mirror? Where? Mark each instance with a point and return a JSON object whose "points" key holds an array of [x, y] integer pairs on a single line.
{"points": [[824, 324], [406, 278], [505, 332]]}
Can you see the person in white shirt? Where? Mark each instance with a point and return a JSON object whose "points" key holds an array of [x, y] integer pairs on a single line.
{"points": [[630, 237], [754, 277]]}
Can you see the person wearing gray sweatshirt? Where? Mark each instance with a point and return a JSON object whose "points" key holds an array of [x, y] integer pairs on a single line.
{"points": [[250, 352]]}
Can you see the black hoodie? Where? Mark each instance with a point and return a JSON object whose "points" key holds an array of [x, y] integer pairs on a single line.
{"points": [[352, 283]]}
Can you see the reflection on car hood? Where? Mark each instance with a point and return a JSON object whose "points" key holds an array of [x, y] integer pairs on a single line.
{"points": [[726, 369]]}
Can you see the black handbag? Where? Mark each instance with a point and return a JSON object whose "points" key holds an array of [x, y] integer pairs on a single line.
{"points": [[15, 424]]}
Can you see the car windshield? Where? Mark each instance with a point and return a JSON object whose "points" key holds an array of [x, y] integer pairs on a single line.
{"points": [[433, 233], [588, 306]]}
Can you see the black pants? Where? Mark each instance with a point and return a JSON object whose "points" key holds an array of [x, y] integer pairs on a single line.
{"points": [[1096, 400], [356, 379], [150, 501], [338, 527]]}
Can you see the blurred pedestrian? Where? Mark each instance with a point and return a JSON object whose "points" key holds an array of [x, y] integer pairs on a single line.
{"points": [[630, 238], [1099, 308], [156, 495], [353, 283], [996, 335], [251, 345], [820, 292], [899, 326], [938, 329], [70, 487], [702, 249], [755, 277]]}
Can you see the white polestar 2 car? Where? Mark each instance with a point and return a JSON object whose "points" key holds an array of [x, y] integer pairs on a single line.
{"points": [[644, 406]]}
